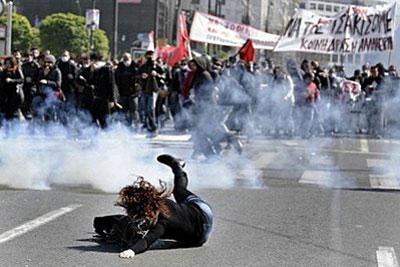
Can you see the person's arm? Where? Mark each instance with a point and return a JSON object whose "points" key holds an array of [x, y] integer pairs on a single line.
{"points": [[143, 244], [19, 77], [117, 77], [290, 86], [111, 85], [56, 83]]}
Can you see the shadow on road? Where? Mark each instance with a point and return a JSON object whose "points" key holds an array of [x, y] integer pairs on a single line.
{"points": [[105, 247]]}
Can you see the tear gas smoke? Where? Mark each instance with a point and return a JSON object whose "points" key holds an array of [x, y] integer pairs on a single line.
{"points": [[47, 156]]}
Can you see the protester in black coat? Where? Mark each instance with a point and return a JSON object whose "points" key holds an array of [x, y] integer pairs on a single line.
{"points": [[128, 88], [11, 86], [31, 71], [68, 70], [103, 81]]}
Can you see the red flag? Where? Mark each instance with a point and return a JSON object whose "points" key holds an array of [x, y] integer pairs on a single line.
{"points": [[174, 54], [247, 52]]}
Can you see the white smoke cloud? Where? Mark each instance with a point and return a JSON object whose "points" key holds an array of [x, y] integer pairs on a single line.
{"points": [[105, 160]]}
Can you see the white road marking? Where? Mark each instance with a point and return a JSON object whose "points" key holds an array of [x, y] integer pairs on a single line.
{"points": [[290, 143], [315, 177], [364, 145], [263, 160], [387, 179], [386, 141], [386, 257], [164, 138], [383, 182], [30, 225], [320, 160], [379, 164]]}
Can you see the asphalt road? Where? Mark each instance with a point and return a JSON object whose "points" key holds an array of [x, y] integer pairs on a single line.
{"points": [[317, 202]]}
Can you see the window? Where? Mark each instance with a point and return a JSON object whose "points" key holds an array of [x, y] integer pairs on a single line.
{"points": [[313, 6], [358, 59], [328, 8], [196, 2], [321, 7], [350, 58], [342, 59], [334, 58], [336, 8]]}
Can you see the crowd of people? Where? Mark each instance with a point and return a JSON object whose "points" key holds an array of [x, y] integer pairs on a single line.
{"points": [[211, 98]]}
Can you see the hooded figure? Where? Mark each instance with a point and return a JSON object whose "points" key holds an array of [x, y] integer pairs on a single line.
{"points": [[202, 81]]}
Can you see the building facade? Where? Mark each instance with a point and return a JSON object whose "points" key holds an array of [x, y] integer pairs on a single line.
{"points": [[133, 19]]}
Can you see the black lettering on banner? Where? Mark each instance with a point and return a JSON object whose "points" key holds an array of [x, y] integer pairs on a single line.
{"points": [[316, 29], [303, 43], [293, 28], [331, 46], [356, 22], [376, 26], [369, 21], [354, 46], [324, 44], [339, 29], [376, 44], [307, 28], [388, 20], [348, 27], [341, 45]]}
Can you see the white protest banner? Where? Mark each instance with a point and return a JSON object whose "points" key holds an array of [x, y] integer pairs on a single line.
{"points": [[354, 30], [214, 30]]}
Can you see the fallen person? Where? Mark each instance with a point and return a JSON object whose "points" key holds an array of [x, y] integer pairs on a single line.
{"points": [[151, 216]]}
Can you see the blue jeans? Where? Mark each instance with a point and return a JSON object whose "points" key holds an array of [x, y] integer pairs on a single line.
{"points": [[147, 104], [207, 215]]}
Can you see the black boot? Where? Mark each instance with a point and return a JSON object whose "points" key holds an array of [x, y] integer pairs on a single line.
{"points": [[170, 161]]}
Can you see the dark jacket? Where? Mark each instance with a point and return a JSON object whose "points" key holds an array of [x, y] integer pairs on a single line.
{"points": [[68, 70], [31, 71], [10, 99], [103, 81], [54, 79], [150, 84], [125, 78], [202, 82]]}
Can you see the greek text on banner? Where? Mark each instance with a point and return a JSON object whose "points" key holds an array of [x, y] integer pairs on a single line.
{"points": [[353, 30], [214, 30]]}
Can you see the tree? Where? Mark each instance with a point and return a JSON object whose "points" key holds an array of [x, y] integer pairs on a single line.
{"points": [[101, 43], [36, 38], [23, 34], [66, 31]]}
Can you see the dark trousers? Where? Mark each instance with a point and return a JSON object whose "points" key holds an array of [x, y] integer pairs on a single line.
{"points": [[130, 109], [184, 196], [100, 110]]}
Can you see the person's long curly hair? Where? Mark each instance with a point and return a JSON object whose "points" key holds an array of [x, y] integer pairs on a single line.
{"points": [[142, 200]]}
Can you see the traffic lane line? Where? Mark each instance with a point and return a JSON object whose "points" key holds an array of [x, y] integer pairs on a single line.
{"points": [[386, 257], [30, 225], [364, 145]]}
